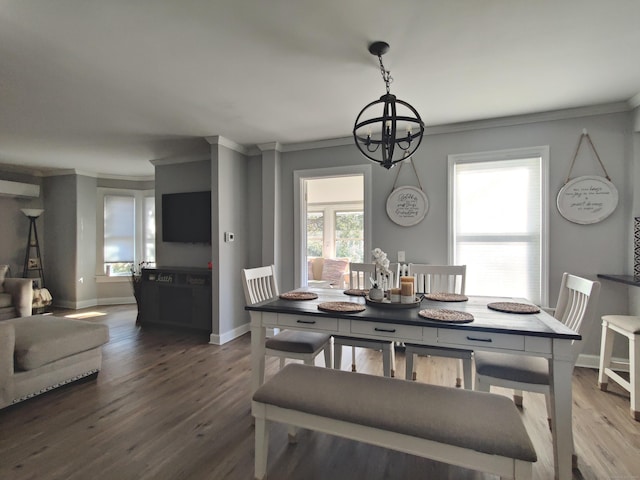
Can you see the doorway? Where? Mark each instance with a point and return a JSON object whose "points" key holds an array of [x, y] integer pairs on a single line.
{"points": [[332, 213]]}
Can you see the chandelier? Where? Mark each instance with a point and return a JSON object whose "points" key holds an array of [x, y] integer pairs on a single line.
{"points": [[387, 130]]}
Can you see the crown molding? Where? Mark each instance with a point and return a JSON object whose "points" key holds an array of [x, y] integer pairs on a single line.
{"points": [[634, 101], [225, 142], [270, 147], [179, 159]]}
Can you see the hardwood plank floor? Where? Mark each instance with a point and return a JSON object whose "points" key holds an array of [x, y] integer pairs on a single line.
{"points": [[167, 405]]}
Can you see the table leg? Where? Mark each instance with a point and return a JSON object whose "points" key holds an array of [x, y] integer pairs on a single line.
{"points": [[561, 371], [258, 337]]}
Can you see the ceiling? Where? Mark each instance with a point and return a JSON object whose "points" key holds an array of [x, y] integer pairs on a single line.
{"points": [[105, 87]]}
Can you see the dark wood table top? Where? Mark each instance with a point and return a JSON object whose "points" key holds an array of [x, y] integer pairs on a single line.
{"points": [[485, 320]]}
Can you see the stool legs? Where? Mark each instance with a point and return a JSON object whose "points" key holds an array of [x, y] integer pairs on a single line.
{"points": [[606, 365], [634, 376], [606, 348]]}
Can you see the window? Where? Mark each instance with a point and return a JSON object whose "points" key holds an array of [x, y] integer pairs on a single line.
{"points": [[335, 231], [126, 230], [497, 211]]}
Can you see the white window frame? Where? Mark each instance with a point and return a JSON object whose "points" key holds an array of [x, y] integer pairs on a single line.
{"points": [[139, 238], [541, 152]]}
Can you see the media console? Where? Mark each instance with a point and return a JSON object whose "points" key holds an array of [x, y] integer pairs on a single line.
{"points": [[176, 297]]}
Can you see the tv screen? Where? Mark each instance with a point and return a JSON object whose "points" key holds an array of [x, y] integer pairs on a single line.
{"points": [[186, 217]]}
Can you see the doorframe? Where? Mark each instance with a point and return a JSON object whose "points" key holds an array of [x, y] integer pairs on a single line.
{"points": [[300, 210]]}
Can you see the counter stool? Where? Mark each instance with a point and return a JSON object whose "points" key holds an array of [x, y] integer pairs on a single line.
{"points": [[628, 326]]}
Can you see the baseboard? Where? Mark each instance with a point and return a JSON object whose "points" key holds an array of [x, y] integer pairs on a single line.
{"points": [[216, 339], [593, 361]]}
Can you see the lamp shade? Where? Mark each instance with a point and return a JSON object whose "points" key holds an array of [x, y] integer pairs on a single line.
{"points": [[32, 212]]}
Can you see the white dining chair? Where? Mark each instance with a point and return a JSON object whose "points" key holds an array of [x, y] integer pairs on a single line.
{"points": [[576, 308], [259, 285], [359, 275], [436, 279]]}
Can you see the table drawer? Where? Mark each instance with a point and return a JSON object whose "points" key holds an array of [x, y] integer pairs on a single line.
{"points": [[481, 339], [312, 323], [389, 330]]}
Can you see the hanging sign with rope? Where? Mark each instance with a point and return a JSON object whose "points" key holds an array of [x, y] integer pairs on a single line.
{"points": [[590, 198], [407, 205]]}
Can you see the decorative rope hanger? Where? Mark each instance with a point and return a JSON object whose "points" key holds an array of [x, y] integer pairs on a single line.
{"points": [[575, 155], [414, 171]]}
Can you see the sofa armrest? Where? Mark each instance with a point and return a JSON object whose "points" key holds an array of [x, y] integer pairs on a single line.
{"points": [[21, 290], [7, 345]]}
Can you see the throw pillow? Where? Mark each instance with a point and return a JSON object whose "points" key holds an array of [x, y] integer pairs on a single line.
{"points": [[333, 270], [3, 273]]}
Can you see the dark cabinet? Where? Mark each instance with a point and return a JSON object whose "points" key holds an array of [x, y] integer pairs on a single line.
{"points": [[177, 297]]}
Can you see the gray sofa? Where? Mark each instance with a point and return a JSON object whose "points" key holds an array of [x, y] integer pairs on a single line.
{"points": [[16, 295], [42, 352]]}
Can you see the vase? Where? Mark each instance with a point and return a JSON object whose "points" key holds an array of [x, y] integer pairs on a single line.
{"points": [[376, 294]]}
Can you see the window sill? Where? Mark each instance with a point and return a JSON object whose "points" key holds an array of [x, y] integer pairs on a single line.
{"points": [[113, 279]]}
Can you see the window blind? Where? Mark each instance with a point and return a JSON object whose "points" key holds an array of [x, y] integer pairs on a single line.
{"points": [[497, 226]]}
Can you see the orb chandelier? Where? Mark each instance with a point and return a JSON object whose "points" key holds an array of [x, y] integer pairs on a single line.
{"points": [[387, 130]]}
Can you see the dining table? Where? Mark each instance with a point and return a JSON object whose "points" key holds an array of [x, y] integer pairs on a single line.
{"points": [[536, 334]]}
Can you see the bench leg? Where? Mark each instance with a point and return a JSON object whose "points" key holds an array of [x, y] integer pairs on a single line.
{"points": [[634, 376], [262, 447]]}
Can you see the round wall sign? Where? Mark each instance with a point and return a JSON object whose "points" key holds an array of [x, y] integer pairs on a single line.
{"points": [[587, 199], [407, 206]]}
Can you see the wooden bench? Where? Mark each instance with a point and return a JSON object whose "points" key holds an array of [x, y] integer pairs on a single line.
{"points": [[475, 430]]}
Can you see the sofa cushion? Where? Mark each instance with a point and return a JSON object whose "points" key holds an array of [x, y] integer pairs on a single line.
{"points": [[5, 300], [333, 270], [41, 339], [3, 273]]}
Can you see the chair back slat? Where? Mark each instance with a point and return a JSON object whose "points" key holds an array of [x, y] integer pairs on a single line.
{"points": [[259, 284], [359, 274], [438, 278], [576, 307]]}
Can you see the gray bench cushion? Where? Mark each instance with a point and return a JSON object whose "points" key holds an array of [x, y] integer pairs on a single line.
{"points": [[6, 300], [513, 367], [478, 421], [42, 339], [297, 342]]}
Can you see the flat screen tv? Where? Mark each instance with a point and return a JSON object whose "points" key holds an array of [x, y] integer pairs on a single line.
{"points": [[186, 217]]}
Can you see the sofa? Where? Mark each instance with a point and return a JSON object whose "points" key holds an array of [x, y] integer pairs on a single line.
{"points": [[16, 295], [328, 272], [42, 352]]}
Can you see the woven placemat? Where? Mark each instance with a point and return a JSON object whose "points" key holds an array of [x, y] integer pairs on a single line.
{"points": [[513, 307], [341, 307], [357, 292], [446, 297], [298, 296], [443, 315]]}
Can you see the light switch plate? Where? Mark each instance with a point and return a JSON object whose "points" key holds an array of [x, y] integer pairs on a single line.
{"points": [[401, 256]]}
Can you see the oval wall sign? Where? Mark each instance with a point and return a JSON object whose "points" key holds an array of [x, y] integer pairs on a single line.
{"points": [[587, 199], [407, 206]]}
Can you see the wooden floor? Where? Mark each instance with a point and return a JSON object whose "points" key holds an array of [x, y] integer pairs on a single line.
{"points": [[169, 406]]}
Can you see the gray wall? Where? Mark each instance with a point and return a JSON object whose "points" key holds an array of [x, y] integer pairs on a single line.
{"points": [[232, 216], [177, 178], [86, 290], [61, 220], [584, 250]]}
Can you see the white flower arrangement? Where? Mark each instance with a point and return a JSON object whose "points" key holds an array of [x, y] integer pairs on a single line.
{"points": [[382, 265]]}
